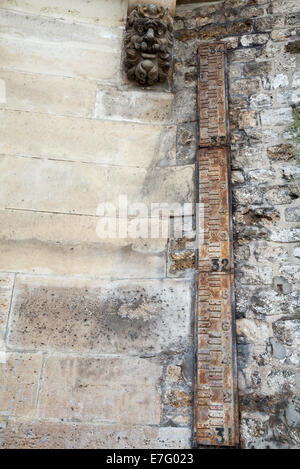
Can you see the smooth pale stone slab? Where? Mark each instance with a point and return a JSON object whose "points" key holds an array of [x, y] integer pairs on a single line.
{"points": [[6, 286], [19, 384], [43, 434], [137, 106], [68, 244], [79, 188], [116, 390], [129, 316], [104, 12], [171, 4], [70, 138], [49, 94]]}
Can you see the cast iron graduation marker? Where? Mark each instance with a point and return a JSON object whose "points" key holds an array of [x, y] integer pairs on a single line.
{"points": [[216, 413]]}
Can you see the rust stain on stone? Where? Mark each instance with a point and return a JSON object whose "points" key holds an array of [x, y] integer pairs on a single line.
{"points": [[179, 399], [183, 260]]}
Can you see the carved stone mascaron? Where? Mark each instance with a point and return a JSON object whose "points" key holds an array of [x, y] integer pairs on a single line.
{"points": [[148, 44]]}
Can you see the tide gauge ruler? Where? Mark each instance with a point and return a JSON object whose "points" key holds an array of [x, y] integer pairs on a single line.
{"points": [[216, 413]]}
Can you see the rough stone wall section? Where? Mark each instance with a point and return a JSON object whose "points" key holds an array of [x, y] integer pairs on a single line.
{"points": [[264, 81]]}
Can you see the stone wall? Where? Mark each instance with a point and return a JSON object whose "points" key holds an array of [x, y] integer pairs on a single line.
{"points": [[96, 340], [96, 336], [264, 74]]}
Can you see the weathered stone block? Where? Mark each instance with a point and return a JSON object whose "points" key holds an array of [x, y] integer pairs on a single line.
{"points": [[291, 273], [185, 36], [186, 143], [290, 172], [237, 177], [254, 39], [68, 244], [281, 285], [202, 19], [280, 195], [287, 332], [185, 52], [276, 117], [254, 331], [42, 434], [102, 12], [244, 86], [207, 32], [285, 235], [86, 140], [181, 263], [47, 94], [257, 216], [280, 81], [268, 23], [251, 275], [293, 19], [241, 253], [243, 55], [231, 42], [102, 64], [288, 98], [250, 157], [296, 80], [247, 119], [261, 176], [185, 76], [56, 47], [292, 214], [260, 100], [49, 30], [19, 384], [296, 252], [278, 6], [90, 389], [264, 302], [247, 195], [136, 106], [240, 27], [252, 69], [6, 286], [269, 252], [129, 316], [283, 35], [283, 152], [184, 105], [52, 189], [170, 4]]}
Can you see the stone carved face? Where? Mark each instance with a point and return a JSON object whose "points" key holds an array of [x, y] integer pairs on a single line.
{"points": [[148, 43]]}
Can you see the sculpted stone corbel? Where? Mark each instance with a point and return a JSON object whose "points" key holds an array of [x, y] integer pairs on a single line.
{"points": [[148, 44]]}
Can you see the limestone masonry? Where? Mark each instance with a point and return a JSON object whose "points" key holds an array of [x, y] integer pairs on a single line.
{"points": [[97, 342]]}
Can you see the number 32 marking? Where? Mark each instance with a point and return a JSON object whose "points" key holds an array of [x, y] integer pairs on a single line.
{"points": [[216, 265]]}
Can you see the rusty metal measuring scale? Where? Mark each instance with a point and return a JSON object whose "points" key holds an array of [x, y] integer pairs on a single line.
{"points": [[216, 413]]}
